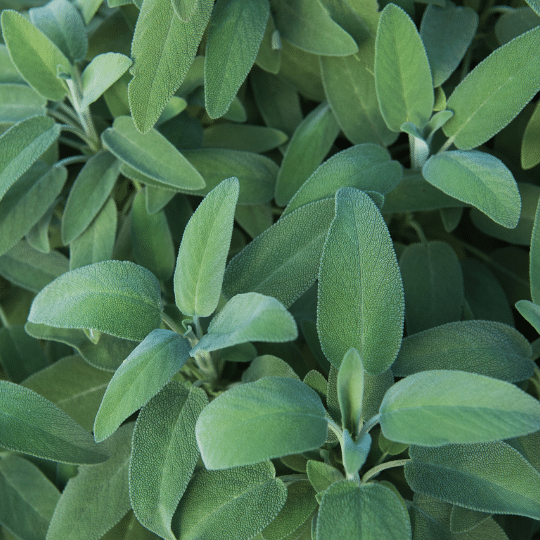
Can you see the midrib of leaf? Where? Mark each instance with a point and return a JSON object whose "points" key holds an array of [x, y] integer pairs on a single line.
{"points": [[78, 395], [123, 295]]}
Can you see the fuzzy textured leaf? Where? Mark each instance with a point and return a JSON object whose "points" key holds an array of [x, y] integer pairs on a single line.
{"points": [[139, 378], [439, 407], [115, 297], [494, 92], [360, 296], [202, 256], [275, 416]]}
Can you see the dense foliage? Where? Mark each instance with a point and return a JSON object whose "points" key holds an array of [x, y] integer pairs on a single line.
{"points": [[270, 269]]}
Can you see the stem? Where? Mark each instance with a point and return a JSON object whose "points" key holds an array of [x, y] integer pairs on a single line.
{"points": [[72, 159], [79, 132], [290, 478], [198, 327], [68, 142], [374, 420], [3, 318], [171, 324], [379, 468], [336, 429], [449, 142], [63, 118], [416, 226]]}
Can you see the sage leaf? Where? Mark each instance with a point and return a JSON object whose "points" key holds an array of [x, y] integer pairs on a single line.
{"points": [[27, 200], [248, 317], [243, 137], [202, 256], [307, 148], [237, 503], [494, 92], [151, 238], [101, 73], [88, 194], [163, 49], [364, 166], [360, 297], [151, 154], [22, 145], [372, 510], [275, 416], [267, 366], [164, 455], [283, 261], [24, 487], [534, 258], [530, 157], [185, 9], [308, 26], [35, 56], [484, 347], [439, 407], [60, 21], [115, 297], [139, 378], [402, 73], [446, 33], [234, 37], [531, 312], [433, 285], [490, 477], [98, 495], [74, 385], [19, 101], [479, 179], [350, 390], [33, 425]]}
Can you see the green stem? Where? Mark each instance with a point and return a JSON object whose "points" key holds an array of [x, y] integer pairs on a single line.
{"points": [[416, 226], [79, 132], [291, 478], [72, 159], [383, 466], [171, 324], [336, 429], [3, 318], [449, 142], [198, 327], [373, 421], [63, 118], [78, 146]]}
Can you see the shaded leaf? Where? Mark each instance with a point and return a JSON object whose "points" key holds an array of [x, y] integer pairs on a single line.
{"points": [[530, 155], [245, 137], [19, 101]]}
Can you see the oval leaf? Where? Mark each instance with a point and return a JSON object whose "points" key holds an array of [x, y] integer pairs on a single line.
{"points": [[494, 92], [438, 407], [248, 317], [33, 425], [402, 73], [360, 297], [202, 256], [151, 154], [139, 378], [257, 421], [115, 297], [479, 179]]}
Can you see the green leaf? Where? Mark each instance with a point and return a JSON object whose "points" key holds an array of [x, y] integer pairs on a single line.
{"points": [[22, 145], [102, 72], [31, 269], [479, 179], [309, 145], [27, 498], [267, 366], [490, 477], [531, 312], [9, 73], [248, 317], [151, 239], [19, 101], [484, 347], [494, 92], [139, 378], [433, 285], [283, 261], [438, 407], [256, 173], [308, 25], [98, 495], [243, 137], [34, 55], [366, 167], [236, 503], [202, 256], [38, 236], [185, 9], [60, 21], [322, 475], [368, 511], [367, 313], [33, 425], [164, 455], [115, 297], [96, 243], [72, 384], [106, 355], [402, 73], [88, 194], [269, 54], [355, 453], [447, 33], [530, 156], [151, 154], [234, 36], [534, 265], [350, 390], [254, 218], [268, 418], [20, 354], [163, 49], [27, 200]]}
